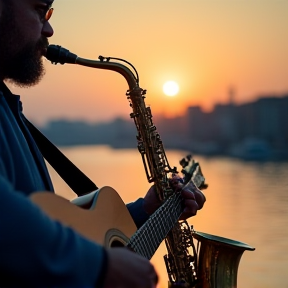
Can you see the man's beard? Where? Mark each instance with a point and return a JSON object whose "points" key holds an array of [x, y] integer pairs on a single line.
{"points": [[26, 68], [22, 66]]}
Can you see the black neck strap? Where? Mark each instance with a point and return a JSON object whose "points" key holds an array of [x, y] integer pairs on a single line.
{"points": [[74, 177]]}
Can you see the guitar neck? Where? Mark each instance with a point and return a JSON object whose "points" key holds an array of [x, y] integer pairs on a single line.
{"points": [[150, 235]]}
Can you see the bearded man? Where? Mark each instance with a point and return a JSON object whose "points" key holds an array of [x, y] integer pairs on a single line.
{"points": [[35, 250]]}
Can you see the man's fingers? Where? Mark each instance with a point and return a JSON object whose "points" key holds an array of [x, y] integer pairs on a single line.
{"points": [[200, 198], [190, 209], [154, 279], [194, 194], [188, 194]]}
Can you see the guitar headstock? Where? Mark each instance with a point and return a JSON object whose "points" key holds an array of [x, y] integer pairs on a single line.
{"points": [[191, 171]]}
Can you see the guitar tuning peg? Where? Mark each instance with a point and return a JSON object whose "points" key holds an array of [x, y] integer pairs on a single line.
{"points": [[183, 162], [174, 170]]}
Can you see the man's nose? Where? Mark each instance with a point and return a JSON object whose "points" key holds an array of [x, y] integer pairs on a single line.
{"points": [[47, 29]]}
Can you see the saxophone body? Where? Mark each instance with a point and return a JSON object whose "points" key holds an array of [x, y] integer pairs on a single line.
{"points": [[182, 261]]}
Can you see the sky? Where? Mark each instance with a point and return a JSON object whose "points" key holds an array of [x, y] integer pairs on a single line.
{"points": [[206, 46]]}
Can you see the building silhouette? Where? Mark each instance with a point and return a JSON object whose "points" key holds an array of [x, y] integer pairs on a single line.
{"points": [[255, 130]]}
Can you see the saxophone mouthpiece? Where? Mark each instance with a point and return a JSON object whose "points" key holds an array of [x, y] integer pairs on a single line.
{"points": [[57, 54]]}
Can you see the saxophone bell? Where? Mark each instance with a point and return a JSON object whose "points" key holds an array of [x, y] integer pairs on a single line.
{"points": [[218, 259]]}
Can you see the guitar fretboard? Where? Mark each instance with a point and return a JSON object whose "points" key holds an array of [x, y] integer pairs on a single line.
{"points": [[149, 236]]}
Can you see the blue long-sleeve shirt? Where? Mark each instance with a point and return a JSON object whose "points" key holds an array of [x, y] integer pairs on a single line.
{"points": [[35, 250]]}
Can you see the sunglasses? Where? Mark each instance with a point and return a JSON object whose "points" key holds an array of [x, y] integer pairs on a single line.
{"points": [[49, 13], [46, 14]]}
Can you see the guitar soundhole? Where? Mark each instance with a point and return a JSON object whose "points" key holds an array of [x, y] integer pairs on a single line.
{"points": [[115, 238], [117, 243]]}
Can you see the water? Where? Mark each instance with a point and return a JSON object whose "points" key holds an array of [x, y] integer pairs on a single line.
{"points": [[246, 201]]}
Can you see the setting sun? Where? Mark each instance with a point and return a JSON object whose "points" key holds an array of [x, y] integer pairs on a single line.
{"points": [[170, 88]]}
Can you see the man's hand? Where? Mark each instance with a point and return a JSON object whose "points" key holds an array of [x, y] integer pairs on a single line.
{"points": [[127, 269], [193, 198]]}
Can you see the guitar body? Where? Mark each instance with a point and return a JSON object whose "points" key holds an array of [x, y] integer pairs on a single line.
{"points": [[100, 216]]}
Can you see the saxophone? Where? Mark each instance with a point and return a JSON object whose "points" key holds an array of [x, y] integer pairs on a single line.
{"points": [[186, 266]]}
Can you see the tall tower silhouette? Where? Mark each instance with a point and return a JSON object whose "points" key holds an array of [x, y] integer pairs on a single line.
{"points": [[231, 95]]}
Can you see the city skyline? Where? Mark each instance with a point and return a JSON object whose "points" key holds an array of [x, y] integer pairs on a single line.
{"points": [[255, 130], [163, 116]]}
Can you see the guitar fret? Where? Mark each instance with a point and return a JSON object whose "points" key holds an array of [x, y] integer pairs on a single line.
{"points": [[137, 246], [154, 238], [143, 250], [149, 248]]}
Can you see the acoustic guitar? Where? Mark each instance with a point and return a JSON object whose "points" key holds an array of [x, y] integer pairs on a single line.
{"points": [[103, 217]]}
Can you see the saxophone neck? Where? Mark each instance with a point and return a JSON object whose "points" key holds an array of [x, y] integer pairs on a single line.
{"points": [[57, 54]]}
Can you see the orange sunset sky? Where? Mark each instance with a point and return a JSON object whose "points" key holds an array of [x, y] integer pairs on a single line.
{"points": [[206, 46]]}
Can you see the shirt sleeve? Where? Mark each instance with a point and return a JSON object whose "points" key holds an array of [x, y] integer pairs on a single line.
{"points": [[39, 252], [137, 212]]}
